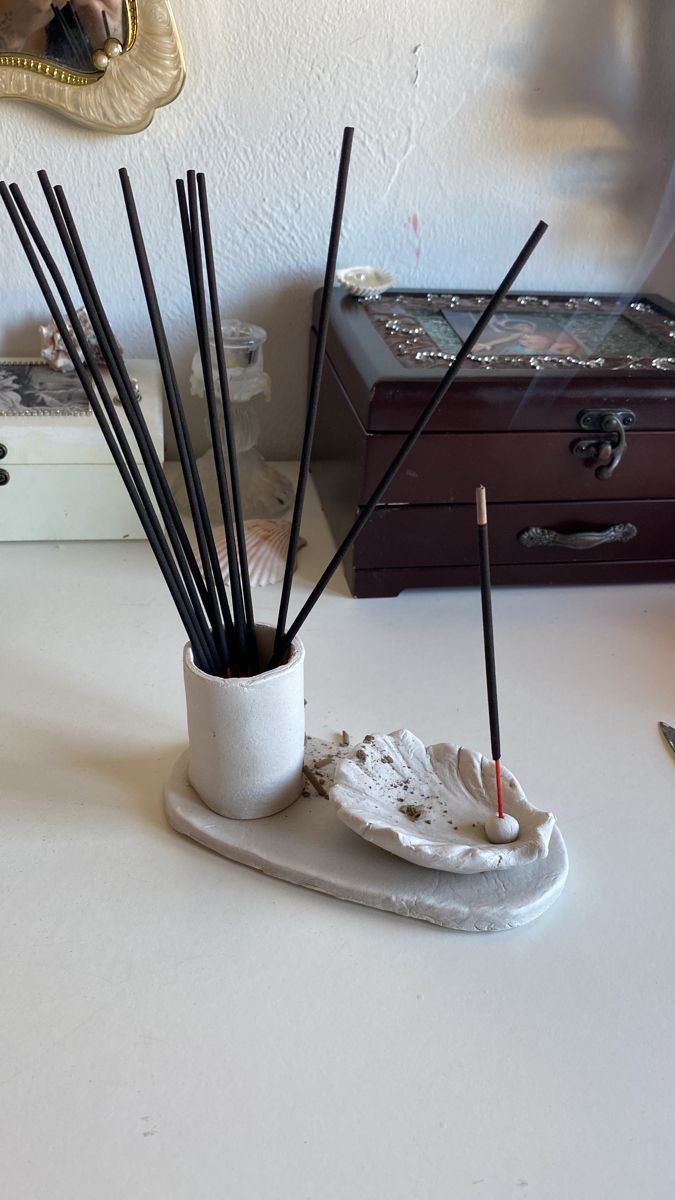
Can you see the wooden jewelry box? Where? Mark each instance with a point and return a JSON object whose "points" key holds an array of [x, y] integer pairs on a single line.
{"points": [[58, 481], [566, 412]]}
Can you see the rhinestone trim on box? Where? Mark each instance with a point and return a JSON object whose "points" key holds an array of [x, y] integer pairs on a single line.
{"points": [[414, 346]]}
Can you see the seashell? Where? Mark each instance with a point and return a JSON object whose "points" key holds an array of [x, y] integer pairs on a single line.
{"points": [[266, 549], [428, 804], [53, 350], [368, 283]]}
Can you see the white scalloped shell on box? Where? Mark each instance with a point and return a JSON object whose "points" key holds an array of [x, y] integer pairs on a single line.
{"points": [[367, 283]]}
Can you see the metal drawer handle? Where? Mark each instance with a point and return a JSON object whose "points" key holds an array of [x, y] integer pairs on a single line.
{"points": [[4, 478], [536, 536]]}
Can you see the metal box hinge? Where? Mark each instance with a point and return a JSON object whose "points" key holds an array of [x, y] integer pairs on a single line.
{"points": [[609, 444]]}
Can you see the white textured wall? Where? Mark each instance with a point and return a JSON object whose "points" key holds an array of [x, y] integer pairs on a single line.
{"points": [[473, 120]]}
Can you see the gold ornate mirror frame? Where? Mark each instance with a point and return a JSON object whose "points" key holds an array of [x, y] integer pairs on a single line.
{"points": [[127, 81]]}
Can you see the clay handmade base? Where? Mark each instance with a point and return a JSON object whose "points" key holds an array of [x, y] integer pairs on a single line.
{"points": [[247, 735], [430, 805], [308, 845]]}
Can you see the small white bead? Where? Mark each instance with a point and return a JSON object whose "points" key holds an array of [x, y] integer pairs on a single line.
{"points": [[501, 829], [112, 47], [100, 60]]}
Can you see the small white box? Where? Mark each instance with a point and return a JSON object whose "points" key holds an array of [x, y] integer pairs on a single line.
{"points": [[59, 481]]}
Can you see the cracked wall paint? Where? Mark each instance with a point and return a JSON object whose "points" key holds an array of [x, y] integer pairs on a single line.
{"points": [[417, 50]]}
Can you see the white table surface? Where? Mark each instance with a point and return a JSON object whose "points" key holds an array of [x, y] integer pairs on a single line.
{"points": [[179, 1027]]}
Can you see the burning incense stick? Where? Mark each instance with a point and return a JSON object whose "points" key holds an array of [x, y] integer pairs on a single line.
{"points": [[488, 638], [440, 392], [315, 387]]}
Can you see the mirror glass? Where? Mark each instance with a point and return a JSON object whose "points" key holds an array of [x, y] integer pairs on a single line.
{"points": [[108, 64], [68, 34]]}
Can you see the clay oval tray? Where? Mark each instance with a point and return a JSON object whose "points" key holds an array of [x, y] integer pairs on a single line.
{"points": [[308, 845]]}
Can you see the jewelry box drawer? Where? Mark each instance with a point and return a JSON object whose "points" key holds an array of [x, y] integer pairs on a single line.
{"points": [[445, 535], [444, 468], [65, 502]]}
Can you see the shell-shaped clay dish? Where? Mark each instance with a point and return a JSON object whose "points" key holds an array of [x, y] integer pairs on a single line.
{"points": [[368, 283], [266, 550], [428, 804]]}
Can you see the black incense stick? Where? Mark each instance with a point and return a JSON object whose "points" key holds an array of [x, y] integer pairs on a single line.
{"points": [[204, 642], [186, 227], [117, 364], [107, 402], [132, 479], [101, 387], [315, 385], [202, 326], [234, 626], [66, 31], [488, 638], [230, 439], [440, 392], [104, 335], [74, 17], [198, 510]]}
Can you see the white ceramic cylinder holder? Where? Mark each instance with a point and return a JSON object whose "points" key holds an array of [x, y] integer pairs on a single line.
{"points": [[247, 736]]}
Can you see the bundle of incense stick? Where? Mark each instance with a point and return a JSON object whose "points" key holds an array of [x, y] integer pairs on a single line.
{"points": [[222, 635]]}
